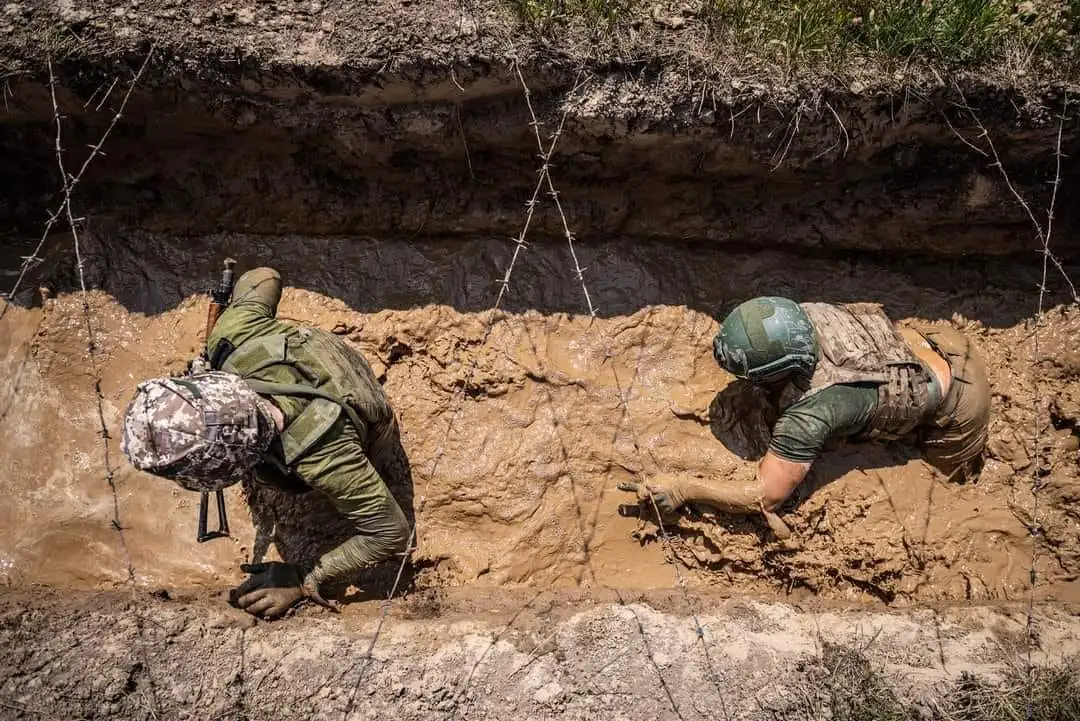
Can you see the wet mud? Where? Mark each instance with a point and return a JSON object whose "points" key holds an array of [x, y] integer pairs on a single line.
{"points": [[521, 423], [381, 157]]}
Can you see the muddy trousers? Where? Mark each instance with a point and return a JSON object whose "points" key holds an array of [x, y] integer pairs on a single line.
{"points": [[953, 442], [388, 457]]}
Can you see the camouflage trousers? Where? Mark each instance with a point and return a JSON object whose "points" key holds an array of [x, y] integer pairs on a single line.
{"points": [[305, 525]]}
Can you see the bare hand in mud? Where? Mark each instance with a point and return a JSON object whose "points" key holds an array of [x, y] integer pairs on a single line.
{"points": [[652, 498], [272, 589]]}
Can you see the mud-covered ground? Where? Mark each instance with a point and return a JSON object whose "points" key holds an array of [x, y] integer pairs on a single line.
{"points": [[381, 157], [518, 441]]}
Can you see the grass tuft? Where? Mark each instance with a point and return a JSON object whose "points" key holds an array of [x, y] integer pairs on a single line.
{"points": [[855, 691], [1054, 694], [949, 34], [845, 686]]}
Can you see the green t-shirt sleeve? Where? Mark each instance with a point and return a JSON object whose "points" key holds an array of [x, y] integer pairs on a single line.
{"points": [[839, 411], [338, 467]]}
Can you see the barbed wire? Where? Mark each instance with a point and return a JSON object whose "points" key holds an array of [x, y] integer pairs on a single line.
{"points": [[92, 348], [70, 182], [623, 400], [666, 537], [520, 242], [545, 173], [1044, 235], [1036, 481], [1041, 233]]}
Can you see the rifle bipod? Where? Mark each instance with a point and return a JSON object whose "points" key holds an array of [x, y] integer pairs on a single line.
{"points": [[223, 520]]}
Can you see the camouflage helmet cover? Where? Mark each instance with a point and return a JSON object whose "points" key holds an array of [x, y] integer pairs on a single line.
{"points": [[202, 431], [766, 339]]}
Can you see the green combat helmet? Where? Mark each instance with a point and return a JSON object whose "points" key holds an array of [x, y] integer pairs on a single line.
{"points": [[765, 340]]}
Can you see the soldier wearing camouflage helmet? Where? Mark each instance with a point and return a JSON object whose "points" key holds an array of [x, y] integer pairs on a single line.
{"points": [[840, 372], [301, 410]]}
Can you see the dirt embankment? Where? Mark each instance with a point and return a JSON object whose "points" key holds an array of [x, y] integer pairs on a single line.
{"points": [[536, 655], [410, 121]]}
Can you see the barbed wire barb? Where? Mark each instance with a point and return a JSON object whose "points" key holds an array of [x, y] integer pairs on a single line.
{"points": [[70, 181], [520, 243]]}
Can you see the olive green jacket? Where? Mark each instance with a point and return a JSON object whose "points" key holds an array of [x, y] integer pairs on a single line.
{"points": [[321, 446]]}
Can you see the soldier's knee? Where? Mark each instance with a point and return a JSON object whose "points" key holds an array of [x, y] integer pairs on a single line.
{"points": [[395, 534]]}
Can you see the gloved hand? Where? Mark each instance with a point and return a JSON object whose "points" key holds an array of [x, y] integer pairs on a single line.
{"points": [[196, 365], [273, 588], [658, 495]]}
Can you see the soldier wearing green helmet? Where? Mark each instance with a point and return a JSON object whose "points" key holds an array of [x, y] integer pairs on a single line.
{"points": [[840, 372]]}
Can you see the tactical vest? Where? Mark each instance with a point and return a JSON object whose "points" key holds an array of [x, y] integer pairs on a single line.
{"points": [[857, 343], [336, 378]]}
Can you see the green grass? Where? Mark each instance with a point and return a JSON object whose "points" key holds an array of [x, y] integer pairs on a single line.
{"points": [[945, 33]]}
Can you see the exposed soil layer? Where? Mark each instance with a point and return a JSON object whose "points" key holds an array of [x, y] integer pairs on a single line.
{"points": [[410, 121], [535, 655]]}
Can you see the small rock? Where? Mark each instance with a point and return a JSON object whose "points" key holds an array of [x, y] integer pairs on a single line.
{"points": [[548, 693], [231, 619], [245, 16]]}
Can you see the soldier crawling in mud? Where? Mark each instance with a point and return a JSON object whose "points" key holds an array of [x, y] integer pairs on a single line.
{"points": [[300, 408], [838, 373]]}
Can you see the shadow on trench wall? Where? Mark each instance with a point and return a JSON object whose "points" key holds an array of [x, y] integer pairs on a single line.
{"points": [[150, 273]]}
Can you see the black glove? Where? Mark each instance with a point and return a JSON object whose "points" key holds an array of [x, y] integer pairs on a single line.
{"points": [[272, 589]]}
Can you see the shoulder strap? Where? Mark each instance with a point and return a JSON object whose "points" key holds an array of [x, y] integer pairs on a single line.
{"points": [[295, 389]]}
